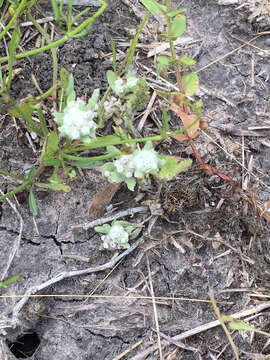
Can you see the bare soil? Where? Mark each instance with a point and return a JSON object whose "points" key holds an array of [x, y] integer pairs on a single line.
{"points": [[208, 237]]}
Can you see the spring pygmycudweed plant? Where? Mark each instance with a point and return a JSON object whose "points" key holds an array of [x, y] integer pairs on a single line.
{"points": [[80, 122], [116, 236]]}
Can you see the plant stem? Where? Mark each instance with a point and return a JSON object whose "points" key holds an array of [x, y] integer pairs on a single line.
{"points": [[136, 140], [173, 54], [64, 39], [53, 50], [14, 176], [128, 59], [92, 158], [12, 21], [15, 191], [45, 95]]}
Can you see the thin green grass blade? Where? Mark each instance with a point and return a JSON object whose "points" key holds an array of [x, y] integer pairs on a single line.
{"points": [[32, 203]]}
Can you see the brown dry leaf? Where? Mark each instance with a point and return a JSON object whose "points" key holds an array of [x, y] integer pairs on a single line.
{"points": [[102, 200], [267, 205], [187, 119], [266, 213]]}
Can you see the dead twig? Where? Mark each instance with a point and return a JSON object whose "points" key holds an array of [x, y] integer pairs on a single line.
{"points": [[222, 323], [3, 350], [147, 112], [179, 344], [101, 221], [118, 357], [154, 307]]}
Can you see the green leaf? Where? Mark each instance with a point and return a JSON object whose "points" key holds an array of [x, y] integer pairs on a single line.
{"points": [[178, 26], [94, 99], [114, 255], [50, 162], [25, 111], [190, 83], [186, 60], [24, 107], [32, 203], [42, 121], [70, 93], [64, 75], [131, 182], [56, 187], [153, 8], [1, 3], [14, 42], [124, 223], [148, 145], [114, 178], [172, 167], [114, 56], [85, 164], [104, 141], [126, 246], [112, 149], [165, 123], [15, 39], [241, 325], [9, 281], [54, 178], [104, 229], [164, 60], [109, 166], [129, 229], [176, 12], [71, 173], [76, 18], [50, 148], [29, 175], [111, 77]]}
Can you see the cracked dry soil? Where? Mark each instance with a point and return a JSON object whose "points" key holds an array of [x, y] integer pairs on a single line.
{"points": [[183, 265]]}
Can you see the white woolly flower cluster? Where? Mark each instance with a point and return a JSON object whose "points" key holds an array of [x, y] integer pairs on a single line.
{"points": [[145, 162], [122, 87], [117, 238], [136, 165], [76, 121]]}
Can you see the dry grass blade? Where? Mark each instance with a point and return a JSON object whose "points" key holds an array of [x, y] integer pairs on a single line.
{"points": [[128, 351], [235, 350], [154, 308]]}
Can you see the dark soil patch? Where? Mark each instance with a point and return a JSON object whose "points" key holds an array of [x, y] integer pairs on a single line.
{"points": [[208, 236]]}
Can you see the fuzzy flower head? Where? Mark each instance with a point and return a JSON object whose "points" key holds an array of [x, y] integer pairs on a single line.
{"points": [[116, 236], [145, 162], [134, 166], [122, 87], [76, 121]]}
